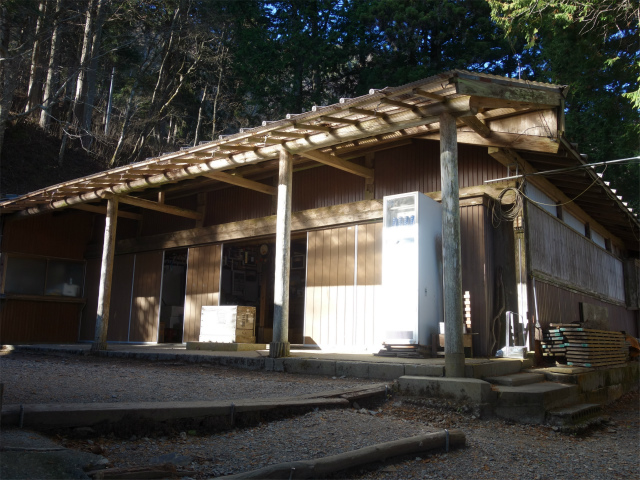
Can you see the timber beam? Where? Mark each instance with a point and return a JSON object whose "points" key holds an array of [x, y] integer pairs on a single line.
{"points": [[158, 207], [499, 89], [477, 125], [338, 163], [103, 210], [242, 182]]}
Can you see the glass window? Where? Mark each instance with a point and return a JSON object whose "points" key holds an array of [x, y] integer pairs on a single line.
{"points": [[25, 275], [64, 278], [41, 276]]}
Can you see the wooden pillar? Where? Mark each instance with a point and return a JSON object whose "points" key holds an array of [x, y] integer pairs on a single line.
{"points": [[451, 253], [106, 270], [279, 346]]}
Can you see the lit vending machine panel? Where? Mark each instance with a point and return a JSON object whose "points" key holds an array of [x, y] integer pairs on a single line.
{"points": [[411, 268]]}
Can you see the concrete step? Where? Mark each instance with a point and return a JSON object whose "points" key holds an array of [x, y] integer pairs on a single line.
{"points": [[517, 379], [494, 368], [529, 403], [573, 414]]}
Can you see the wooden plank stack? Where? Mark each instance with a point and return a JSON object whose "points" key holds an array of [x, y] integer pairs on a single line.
{"points": [[585, 347], [553, 346]]}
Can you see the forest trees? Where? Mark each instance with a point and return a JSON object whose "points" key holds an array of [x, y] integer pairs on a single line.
{"points": [[128, 79]]}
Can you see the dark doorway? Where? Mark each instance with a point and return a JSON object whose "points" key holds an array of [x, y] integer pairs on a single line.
{"points": [[247, 276], [174, 279]]}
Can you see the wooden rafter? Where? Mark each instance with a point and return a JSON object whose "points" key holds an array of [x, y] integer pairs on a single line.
{"points": [[370, 113], [149, 205], [345, 121], [316, 128], [281, 134], [477, 125], [338, 163], [397, 103], [433, 96], [103, 210], [242, 182]]}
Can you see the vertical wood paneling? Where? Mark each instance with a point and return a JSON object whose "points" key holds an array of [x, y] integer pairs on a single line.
{"points": [[330, 286], [154, 223], [416, 167], [325, 186], [146, 297], [91, 282], [63, 235], [563, 254], [203, 287], [41, 322], [120, 305], [558, 305], [234, 204], [477, 272]]}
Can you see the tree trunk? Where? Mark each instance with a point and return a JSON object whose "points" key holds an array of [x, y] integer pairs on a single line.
{"points": [[51, 69], [199, 122], [34, 88], [84, 60], [92, 72], [125, 126]]}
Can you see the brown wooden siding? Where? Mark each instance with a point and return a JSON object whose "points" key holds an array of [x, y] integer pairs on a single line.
{"points": [[558, 305], [236, 203], [24, 321], [146, 297], [154, 223], [203, 287], [64, 234], [416, 167], [478, 272], [559, 253], [325, 187], [330, 281], [341, 302], [91, 284], [120, 305]]}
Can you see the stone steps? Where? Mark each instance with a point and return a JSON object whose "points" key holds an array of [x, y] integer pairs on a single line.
{"points": [[516, 379], [530, 403], [573, 414]]}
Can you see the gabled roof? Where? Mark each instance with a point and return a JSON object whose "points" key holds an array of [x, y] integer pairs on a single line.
{"points": [[329, 134]]}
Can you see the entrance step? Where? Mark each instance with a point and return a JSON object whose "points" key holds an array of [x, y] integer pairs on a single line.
{"points": [[529, 403], [516, 379], [574, 415]]}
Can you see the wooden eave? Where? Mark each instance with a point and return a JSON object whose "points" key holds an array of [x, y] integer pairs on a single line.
{"points": [[343, 130], [589, 192]]}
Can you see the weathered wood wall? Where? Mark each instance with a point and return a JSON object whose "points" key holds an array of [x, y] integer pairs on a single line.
{"points": [[478, 272], [559, 305], [561, 255], [203, 286], [67, 234], [62, 235], [416, 167], [145, 305], [344, 278], [27, 321]]}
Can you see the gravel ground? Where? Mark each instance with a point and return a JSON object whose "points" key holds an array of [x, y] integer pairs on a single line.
{"points": [[495, 449]]}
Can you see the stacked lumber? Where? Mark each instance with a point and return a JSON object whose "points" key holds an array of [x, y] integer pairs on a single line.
{"points": [[553, 346], [586, 347]]}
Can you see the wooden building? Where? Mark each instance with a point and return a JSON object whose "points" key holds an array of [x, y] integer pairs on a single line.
{"points": [[198, 226]]}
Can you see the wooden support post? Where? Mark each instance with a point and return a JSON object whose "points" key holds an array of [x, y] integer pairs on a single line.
{"points": [[106, 270], [279, 346], [451, 253], [369, 185]]}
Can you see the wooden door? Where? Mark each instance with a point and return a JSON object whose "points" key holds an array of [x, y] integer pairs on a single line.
{"points": [[145, 305], [203, 287]]}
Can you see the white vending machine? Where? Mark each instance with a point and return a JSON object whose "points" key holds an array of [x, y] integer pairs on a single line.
{"points": [[412, 268]]}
